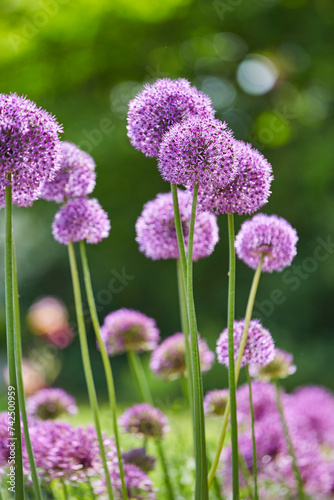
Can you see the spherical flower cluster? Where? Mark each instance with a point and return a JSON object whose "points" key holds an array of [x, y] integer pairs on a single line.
{"points": [[138, 457], [50, 404], [76, 176], [64, 451], [280, 367], [198, 152], [249, 190], [264, 400], [81, 219], [139, 486], [29, 148], [156, 233], [259, 348], [145, 420], [168, 361], [160, 106], [270, 236], [215, 402], [126, 330]]}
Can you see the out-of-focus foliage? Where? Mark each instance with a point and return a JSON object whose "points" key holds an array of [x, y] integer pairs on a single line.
{"points": [[268, 67]]}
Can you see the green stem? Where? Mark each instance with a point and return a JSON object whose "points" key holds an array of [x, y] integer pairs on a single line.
{"points": [[20, 386], [86, 363], [256, 495], [140, 377], [66, 497], [185, 330], [10, 335], [301, 494], [201, 480], [246, 474], [249, 311], [179, 233], [231, 368], [105, 360]]}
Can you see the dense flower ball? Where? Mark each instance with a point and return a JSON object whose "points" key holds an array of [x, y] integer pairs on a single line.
{"points": [[145, 420], [198, 151], [264, 401], [50, 404], [64, 451], [280, 367], [168, 361], [270, 236], [81, 219], [29, 148], [259, 348], [158, 107], [138, 457], [249, 190], [156, 233], [126, 330], [76, 176], [139, 486], [215, 402]]}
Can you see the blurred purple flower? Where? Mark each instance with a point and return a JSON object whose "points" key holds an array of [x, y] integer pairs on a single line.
{"points": [[168, 360], [138, 457], [215, 402], [125, 329], [156, 233], [280, 367], [81, 219], [144, 420], [50, 404]]}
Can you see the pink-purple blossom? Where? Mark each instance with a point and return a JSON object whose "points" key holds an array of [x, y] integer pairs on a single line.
{"points": [[215, 402], [259, 348], [158, 107], [270, 236], [126, 330], [50, 403], [156, 233], [248, 191], [280, 367], [75, 178], [145, 420], [29, 148], [81, 219], [138, 457], [168, 360], [198, 152]]}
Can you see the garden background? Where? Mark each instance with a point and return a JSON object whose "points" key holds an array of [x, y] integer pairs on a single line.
{"points": [[268, 67]]}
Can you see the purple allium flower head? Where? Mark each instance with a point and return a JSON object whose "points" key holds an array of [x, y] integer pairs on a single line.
{"points": [[259, 348], [144, 420], [249, 190], [138, 457], [198, 151], [215, 402], [5, 441], [156, 233], [75, 178], [50, 404], [168, 360], [81, 219], [160, 106], [269, 235], [29, 148], [264, 401], [280, 367], [139, 486], [63, 451], [125, 330]]}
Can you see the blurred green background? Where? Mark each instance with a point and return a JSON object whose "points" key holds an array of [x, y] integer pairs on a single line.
{"points": [[268, 67]]}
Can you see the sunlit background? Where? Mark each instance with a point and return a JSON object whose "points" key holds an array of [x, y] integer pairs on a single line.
{"points": [[268, 67]]}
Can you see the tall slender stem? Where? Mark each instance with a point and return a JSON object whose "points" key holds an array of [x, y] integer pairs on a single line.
{"points": [[105, 360], [179, 233], [87, 364], [249, 381], [20, 386], [246, 474], [249, 311], [231, 368], [139, 375], [300, 487], [185, 330], [10, 335], [201, 480]]}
